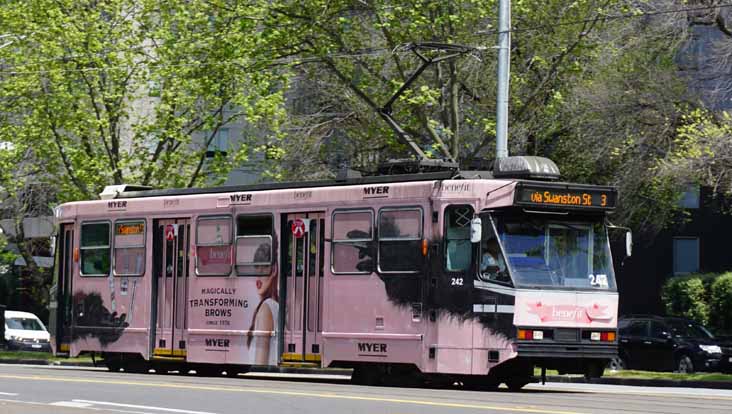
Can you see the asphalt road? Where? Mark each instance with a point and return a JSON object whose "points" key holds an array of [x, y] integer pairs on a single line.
{"points": [[40, 390]]}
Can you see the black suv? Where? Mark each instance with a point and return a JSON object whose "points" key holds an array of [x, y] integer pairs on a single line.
{"points": [[668, 344]]}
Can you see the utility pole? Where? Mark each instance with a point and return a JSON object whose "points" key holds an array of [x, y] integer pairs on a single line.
{"points": [[504, 63]]}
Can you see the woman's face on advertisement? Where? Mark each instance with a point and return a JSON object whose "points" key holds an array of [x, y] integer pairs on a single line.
{"points": [[263, 283]]}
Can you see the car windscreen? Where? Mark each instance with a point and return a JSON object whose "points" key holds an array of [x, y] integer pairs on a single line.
{"points": [[688, 329], [25, 324], [558, 252]]}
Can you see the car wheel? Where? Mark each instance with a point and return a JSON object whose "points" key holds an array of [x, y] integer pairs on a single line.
{"points": [[617, 364], [684, 365]]}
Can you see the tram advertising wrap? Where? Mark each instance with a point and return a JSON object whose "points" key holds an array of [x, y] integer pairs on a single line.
{"points": [[418, 277]]}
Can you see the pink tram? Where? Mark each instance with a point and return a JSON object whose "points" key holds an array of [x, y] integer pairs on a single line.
{"points": [[473, 277]]}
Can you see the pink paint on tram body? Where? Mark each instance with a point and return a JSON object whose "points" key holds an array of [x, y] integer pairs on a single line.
{"points": [[338, 275]]}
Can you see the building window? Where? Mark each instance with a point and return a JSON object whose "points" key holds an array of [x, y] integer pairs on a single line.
{"points": [[686, 255], [219, 143], [400, 240], [95, 249], [690, 197]]}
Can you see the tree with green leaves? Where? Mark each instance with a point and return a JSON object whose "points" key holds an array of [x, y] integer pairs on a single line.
{"points": [[594, 86], [126, 91], [100, 92], [117, 91]]}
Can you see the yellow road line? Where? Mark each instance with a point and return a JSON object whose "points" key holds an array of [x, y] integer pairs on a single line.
{"points": [[290, 393]]}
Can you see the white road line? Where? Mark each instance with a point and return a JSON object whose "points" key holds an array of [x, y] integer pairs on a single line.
{"points": [[141, 407], [11, 394], [72, 404]]}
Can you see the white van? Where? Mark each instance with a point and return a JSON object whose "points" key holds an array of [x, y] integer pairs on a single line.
{"points": [[24, 331]]}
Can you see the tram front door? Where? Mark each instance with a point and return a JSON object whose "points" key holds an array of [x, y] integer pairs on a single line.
{"points": [[170, 286], [303, 270]]}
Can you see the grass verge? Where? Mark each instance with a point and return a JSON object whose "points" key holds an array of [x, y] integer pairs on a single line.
{"points": [[673, 376], [6, 355]]}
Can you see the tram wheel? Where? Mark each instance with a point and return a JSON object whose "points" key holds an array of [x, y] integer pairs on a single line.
{"points": [[481, 383], [594, 371], [402, 375], [208, 371], [235, 370], [516, 383], [136, 367], [366, 375], [134, 364], [113, 365]]}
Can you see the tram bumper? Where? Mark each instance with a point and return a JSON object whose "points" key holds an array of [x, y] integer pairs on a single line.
{"points": [[567, 351], [575, 358]]}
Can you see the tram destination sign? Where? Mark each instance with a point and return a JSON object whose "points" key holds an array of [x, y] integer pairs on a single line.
{"points": [[566, 196], [130, 228]]}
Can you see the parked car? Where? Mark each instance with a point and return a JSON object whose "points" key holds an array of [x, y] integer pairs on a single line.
{"points": [[657, 343], [24, 331]]}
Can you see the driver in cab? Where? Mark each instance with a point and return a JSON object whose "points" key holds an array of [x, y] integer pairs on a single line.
{"points": [[492, 265]]}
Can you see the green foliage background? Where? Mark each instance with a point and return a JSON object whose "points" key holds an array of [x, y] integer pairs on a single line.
{"points": [[705, 298]]}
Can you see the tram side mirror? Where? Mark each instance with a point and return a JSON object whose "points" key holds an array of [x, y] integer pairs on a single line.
{"points": [[628, 243], [476, 230]]}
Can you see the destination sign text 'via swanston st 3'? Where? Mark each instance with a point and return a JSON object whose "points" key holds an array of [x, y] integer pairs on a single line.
{"points": [[565, 196]]}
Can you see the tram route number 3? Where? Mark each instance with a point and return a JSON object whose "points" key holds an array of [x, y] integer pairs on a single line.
{"points": [[456, 281]]}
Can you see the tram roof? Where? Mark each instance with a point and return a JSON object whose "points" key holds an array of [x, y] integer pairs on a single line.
{"points": [[379, 179]]}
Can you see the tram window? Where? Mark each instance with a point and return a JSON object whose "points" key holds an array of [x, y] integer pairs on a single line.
{"points": [[352, 240], [129, 248], [254, 225], [400, 240], [458, 248], [95, 249], [254, 245], [313, 249], [322, 249], [213, 246], [254, 255]]}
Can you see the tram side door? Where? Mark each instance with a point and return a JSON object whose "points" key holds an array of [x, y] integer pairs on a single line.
{"points": [[303, 270], [171, 261], [63, 293]]}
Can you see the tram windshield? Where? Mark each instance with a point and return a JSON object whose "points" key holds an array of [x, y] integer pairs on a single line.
{"points": [[544, 251]]}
